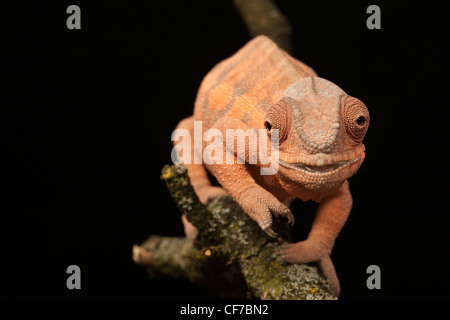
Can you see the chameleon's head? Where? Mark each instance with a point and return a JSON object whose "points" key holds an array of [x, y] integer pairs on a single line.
{"points": [[321, 129]]}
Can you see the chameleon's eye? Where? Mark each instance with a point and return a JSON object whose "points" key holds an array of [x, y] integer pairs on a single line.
{"points": [[276, 119], [356, 118], [361, 120]]}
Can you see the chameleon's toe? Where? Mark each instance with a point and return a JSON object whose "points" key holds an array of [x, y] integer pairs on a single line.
{"points": [[279, 209], [290, 218], [303, 252], [290, 253], [270, 232]]}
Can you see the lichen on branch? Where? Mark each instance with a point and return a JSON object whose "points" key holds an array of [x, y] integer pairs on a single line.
{"points": [[232, 254]]}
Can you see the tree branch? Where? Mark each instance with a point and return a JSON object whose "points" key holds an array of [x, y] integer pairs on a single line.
{"points": [[231, 250], [263, 17]]}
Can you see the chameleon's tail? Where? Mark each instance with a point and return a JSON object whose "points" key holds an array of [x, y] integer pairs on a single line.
{"points": [[327, 268]]}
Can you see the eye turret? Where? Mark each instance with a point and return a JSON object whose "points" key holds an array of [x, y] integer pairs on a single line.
{"points": [[356, 118], [276, 118]]}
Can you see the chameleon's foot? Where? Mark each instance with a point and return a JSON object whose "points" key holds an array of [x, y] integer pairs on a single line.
{"points": [[260, 205], [303, 252], [312, 251], [189, 229], [208, 193]]}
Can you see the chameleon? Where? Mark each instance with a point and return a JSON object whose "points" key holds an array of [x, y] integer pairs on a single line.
{"points": [[320, 132]]}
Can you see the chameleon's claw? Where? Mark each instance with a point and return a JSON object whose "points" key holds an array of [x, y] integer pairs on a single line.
{"points": [[285, 213], [291, 219], [270, 232]]}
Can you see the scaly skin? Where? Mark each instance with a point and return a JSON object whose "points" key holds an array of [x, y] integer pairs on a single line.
{"points": [[320, 127]]}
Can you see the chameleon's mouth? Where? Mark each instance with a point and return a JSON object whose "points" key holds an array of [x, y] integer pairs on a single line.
{"points": [[320, 169]]}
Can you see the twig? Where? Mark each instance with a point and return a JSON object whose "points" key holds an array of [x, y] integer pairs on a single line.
{"points": [[231, 247], [264, 17]]}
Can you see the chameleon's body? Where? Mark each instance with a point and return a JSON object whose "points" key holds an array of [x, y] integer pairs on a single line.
{"points": [[320, 128]]}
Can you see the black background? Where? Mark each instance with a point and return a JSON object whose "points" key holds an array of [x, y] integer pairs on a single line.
{"points": [[86, 118]]}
